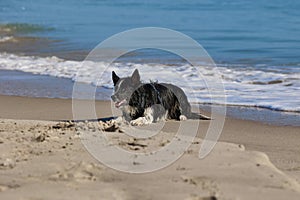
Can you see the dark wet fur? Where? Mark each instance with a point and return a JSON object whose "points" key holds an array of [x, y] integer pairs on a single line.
{"points": [[161, 97]]}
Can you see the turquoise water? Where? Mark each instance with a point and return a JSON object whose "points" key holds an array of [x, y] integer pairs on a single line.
{"points": [[259, 32]]}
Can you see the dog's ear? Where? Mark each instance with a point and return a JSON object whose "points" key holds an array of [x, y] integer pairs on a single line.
{"points": [[115, 78], [135, 78]]}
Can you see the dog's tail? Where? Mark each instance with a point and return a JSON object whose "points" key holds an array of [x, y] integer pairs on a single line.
{"points": [[192, 115]]}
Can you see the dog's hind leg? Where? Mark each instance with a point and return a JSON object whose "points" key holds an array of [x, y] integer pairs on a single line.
{"points": [[182, 118]]}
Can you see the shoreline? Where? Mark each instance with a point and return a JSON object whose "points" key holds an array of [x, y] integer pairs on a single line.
{"points": [[28, 85], [54, 78], [243, 158]]}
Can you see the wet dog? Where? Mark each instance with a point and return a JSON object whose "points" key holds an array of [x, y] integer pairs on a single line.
{"points": [[145, 103]]}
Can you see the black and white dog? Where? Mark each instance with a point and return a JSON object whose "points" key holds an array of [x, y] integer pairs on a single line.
{"points": [[150, 102]]}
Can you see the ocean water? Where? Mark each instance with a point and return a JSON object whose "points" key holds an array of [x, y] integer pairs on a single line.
{"points": [[256, 44]]}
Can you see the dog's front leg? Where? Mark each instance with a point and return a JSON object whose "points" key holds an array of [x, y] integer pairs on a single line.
{"points": [[140, 121], [147, 119]]}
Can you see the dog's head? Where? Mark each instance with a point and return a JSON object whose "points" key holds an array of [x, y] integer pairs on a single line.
{"points": [[124, 87]]}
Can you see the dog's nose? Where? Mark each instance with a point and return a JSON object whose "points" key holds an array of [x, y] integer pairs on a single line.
{"points": [[113, 97]]}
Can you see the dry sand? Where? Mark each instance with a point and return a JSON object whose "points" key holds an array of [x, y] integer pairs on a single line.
{"points": [[41, 159]]}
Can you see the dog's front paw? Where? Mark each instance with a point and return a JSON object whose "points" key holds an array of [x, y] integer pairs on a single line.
{"points": [[139, 121]]}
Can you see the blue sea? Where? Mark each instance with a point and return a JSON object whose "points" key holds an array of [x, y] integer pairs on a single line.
{"points": [[255, 44]]}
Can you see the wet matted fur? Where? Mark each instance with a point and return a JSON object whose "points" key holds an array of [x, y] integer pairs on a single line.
{"points": [[145, 103]]}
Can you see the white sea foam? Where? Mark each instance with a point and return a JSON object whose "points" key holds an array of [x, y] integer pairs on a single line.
{"points": [[269, 88], [5, 38]]}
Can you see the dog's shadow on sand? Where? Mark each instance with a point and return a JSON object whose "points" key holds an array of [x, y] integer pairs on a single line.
{"points": [[104, 119]]}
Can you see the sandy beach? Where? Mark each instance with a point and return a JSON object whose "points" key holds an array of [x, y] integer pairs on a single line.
{"points": [[43, 158], [243, 54]]}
